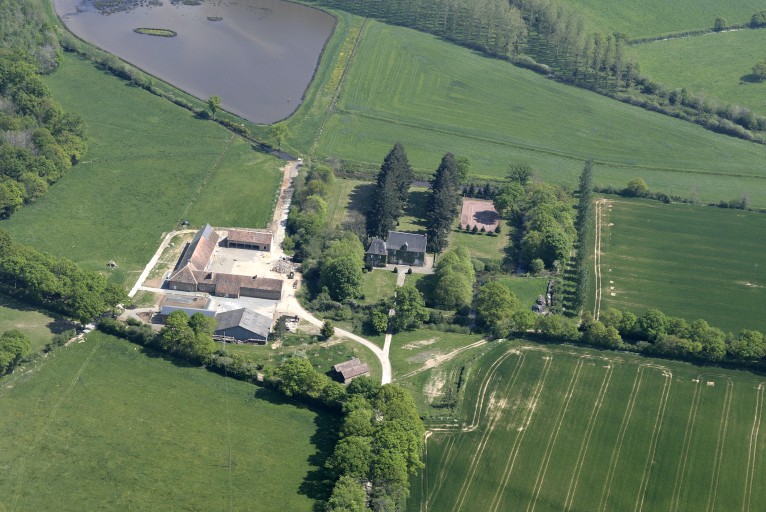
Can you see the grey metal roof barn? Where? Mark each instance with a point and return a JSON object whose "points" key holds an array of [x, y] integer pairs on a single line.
{"points": [[243, 324]]}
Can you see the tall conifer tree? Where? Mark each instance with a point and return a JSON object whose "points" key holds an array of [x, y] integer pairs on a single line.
{"points": [[443, 204], [390, 198]]}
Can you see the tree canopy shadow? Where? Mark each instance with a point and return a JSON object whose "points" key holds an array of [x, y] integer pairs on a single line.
{"points": [[360, 198], [751, 78]]}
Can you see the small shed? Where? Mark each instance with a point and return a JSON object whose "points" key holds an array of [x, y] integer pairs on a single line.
{"points": [[350, 369]]}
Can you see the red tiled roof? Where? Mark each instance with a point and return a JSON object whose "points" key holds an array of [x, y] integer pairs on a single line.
{"points": [[246, 236]]}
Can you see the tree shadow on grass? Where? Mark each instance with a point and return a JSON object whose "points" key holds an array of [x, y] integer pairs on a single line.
{"points": [[360, 198], [318, 482], [417, 210], [751, 78]]}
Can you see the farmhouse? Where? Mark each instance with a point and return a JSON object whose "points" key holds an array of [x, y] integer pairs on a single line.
{"points": [[191, 274], [249, 239], [350, 369], [398, 249], [243, 325]]}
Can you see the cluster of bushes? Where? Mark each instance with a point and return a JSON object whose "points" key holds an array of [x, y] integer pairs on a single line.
{"points": [[56, 284], [14, 345], [308, 211], [38, 141], [454, 279], [380, 447], [475, 230], [24, 26], [549, 232]]}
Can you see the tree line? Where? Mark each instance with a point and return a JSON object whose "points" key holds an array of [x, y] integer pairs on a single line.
{"points": [[584, 224], [24, 26], [56, 284], [39, 142]]}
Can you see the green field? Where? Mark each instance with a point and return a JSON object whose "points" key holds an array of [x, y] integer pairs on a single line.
{"points": [[719, 66], [411, 350], [659, 17], [436, 97], [688, 261], [378, 285], [149, 164], [527, 289], [39, 326], [103, 425], [558, 428], [482, 246]]}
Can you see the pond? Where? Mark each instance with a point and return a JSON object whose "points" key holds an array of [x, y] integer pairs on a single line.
{"points": [[258, 55]]}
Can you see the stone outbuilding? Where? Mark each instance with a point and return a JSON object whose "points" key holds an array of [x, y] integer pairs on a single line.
{"points": [[249, 239], [348, 370]]}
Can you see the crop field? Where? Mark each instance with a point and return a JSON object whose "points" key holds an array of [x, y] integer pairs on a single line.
{"points": [[688, 261], [719, 66], [149, 165], [658, 17], [437, 97], [558, 428], [103, 425]]}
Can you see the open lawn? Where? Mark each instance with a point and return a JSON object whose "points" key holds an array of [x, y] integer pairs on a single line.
{"points": [[149, 165], [39, 326], [688, 261], [437, 97], [551, 428], [659, 17], [378, 285], [103, 425], [412, 350], [719, 66], [482, 246], [527, 289]]}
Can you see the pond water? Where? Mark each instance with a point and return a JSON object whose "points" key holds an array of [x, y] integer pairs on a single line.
{"points": [[257, 55]]}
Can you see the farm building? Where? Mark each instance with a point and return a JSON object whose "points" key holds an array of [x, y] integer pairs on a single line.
{"points": [[398, 249], [243, 325], [190, 274], [350, 369], [249, 239]]}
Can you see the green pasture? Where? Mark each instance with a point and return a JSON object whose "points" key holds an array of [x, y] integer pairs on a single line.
{"points": [[483, 246], [658, 17], [436, 97], [347, 199], [557, 428], [105, 425], [718, 66], [149, 165], [527, 289], [688, 261], [38, 325]]}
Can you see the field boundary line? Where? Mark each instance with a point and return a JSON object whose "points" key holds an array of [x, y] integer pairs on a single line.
{"points": [[724, 425], [48, 421], [654, 440], [520, 438], [686, 447], [586, 440], [753, 449], [597, 257], [485, 437], [620, 438], [539, 481]]}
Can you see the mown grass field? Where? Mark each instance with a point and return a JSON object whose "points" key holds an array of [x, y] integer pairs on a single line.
{"points": [[719, 66], [102, 425], [527, 289], [149, 165], [688, 261], [437, 97], [658, 17], [482, 246], [411, 350], [378, 285], [39, 326], [558, 428]]}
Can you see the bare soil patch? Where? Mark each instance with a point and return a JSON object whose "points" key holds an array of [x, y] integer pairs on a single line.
{"points": [[480, 213]]}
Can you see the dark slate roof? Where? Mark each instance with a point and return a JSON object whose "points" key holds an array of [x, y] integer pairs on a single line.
{"points": [[377, 247], [415, 243], [254, 322], [351, 368]]}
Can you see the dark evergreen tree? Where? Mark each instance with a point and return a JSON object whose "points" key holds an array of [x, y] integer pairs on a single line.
{"points": [[393, 184], [443, 204]]}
